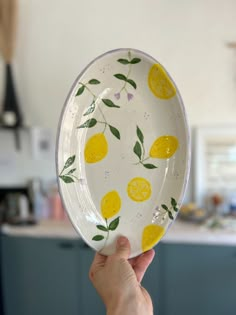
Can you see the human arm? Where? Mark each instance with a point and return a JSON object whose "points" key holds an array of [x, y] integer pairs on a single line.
{"points": [[117, 280]]}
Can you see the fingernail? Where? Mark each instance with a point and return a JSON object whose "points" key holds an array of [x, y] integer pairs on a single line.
{"points": [[122, 241]]}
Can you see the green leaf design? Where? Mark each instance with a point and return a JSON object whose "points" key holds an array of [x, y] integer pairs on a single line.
{"points": [[67, 179], [149, 166], [102, 228], [113, 225], [80, 90], [89, 123], [71, 171], [98, 238], [123, 61], [175, 209], [109, 103], [173, 202], [115, 132], [90, 109], [170, 215], [137, 149], [135, 60], [69, 161], [165, 207], [93, 81], [120, 76], [140, 134], [131, 82]]}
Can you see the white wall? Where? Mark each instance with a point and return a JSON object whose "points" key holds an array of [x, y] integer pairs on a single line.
{"points": [[57, 38]]}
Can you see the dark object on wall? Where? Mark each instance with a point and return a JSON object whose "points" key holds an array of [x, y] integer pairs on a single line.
{"points": [[11, 115]]}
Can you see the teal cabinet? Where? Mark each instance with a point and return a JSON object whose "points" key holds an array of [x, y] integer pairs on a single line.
{"points": [[50, 276], [198, 279], [47, 276], [152, 280]]}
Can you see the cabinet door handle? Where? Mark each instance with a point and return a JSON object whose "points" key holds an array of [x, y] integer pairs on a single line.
{"points": [[84, 245], [66, 245]]}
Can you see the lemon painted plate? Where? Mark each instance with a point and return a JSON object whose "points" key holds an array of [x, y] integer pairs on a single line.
{"points": [[123, 151]]}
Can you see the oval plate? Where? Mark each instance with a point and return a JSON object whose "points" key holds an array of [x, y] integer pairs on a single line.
{"points": [[123, 151]]}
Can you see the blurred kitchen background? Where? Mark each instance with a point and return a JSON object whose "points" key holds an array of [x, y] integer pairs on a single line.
{"points": [[43, 47]]}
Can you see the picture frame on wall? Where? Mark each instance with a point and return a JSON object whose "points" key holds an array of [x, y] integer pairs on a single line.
{"points": [[41, 143]]}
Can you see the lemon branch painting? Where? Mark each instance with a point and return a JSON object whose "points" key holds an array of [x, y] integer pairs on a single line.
{"points": [[162, 148], [96, 147], [67, 175], [139, 150], [95, 102], [126, 77], [172, 207], [165, 211], [110, 206]]}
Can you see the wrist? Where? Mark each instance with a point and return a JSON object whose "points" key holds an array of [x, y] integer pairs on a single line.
{"points": [[130, 306], [124, 309]]}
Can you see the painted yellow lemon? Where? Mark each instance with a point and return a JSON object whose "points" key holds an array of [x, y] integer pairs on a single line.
{"points": [[152, 233], [139, 189], [160, 83], [110, 204], [164, 147], [96, 148]]}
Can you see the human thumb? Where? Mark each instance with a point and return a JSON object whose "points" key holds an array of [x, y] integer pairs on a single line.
{"points": [[123, 247]]}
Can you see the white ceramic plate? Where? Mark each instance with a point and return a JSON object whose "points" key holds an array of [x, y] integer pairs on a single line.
{"points": [[123, 151]]}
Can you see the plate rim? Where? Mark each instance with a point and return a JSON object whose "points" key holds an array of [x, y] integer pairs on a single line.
{"points": [[186, 127]]}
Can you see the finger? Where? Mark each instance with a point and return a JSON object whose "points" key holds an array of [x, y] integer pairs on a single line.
{"points": [[123, 247], [98, 263], [99, 260], [133, 261], [142, 264]]}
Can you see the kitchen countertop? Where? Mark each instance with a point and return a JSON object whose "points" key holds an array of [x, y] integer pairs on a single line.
{"points": [[180, 232], [190, 233], [47, 228]]}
